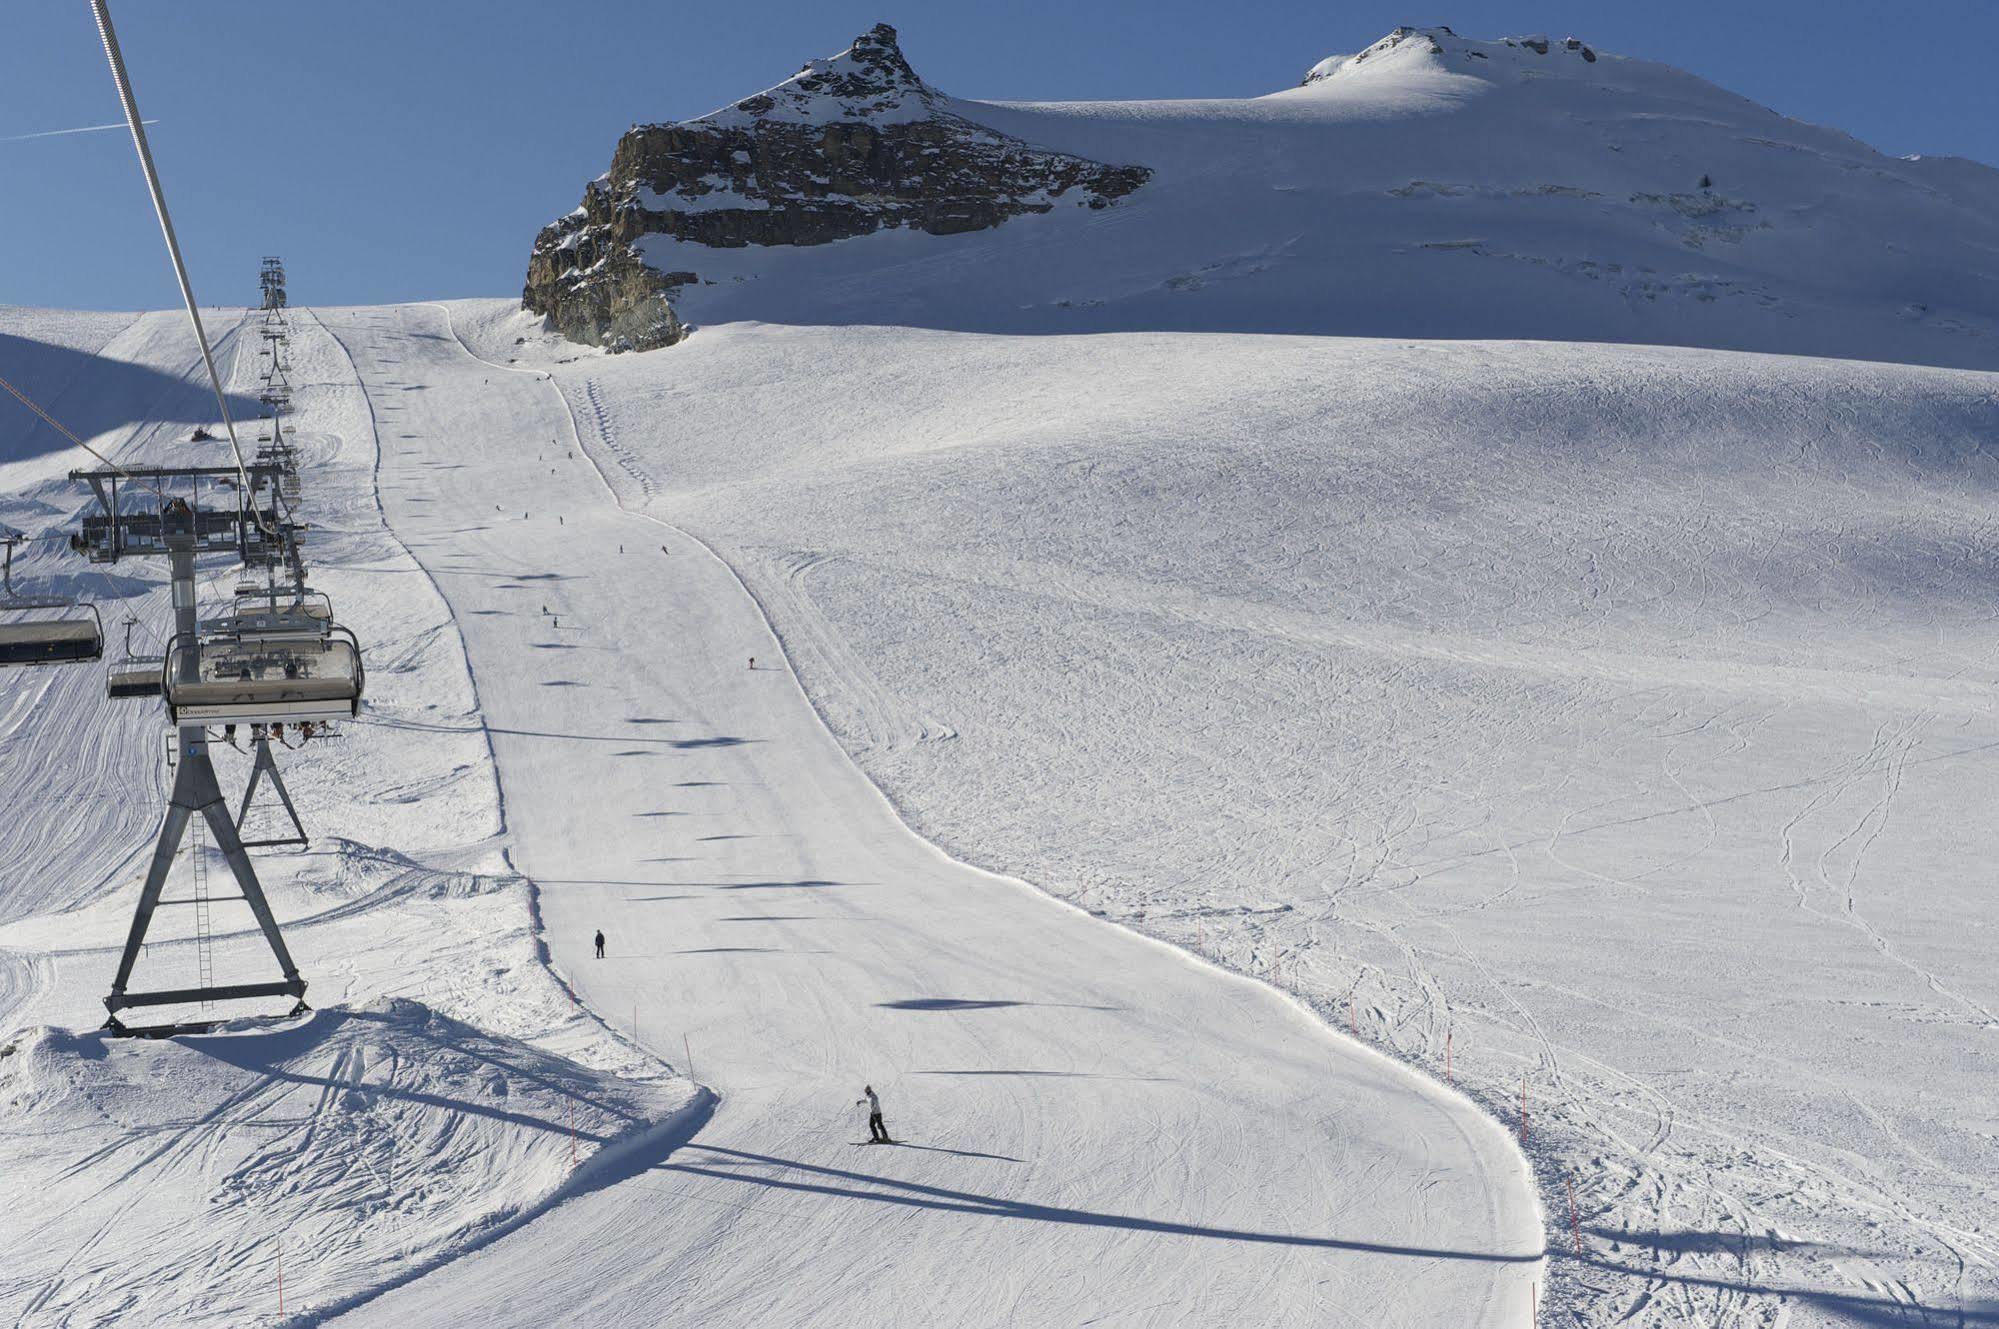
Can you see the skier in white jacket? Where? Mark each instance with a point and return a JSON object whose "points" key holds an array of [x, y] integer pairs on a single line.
{"points": [[877, 1133]]}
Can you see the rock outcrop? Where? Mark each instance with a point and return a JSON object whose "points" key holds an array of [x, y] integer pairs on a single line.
{"points": [[848, 146]]}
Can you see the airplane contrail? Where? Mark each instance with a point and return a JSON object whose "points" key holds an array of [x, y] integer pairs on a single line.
{"points": [[51, 133]]}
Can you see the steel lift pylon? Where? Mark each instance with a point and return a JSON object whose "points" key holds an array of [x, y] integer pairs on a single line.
{"points": [[181, 530], [263, 766]]}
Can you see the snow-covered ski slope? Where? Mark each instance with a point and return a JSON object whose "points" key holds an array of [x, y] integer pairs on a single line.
{"points": [[1094, 1125], [1611, 718], [448, 1091], [1432, 186], [1607, 723]]}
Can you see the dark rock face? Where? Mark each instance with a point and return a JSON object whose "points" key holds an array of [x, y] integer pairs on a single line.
{"points": [[848, 146]]}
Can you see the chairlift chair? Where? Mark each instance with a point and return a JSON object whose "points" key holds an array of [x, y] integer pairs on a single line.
{"points": [[135, 675], [134, 678], [44, 629], [275, 656]]}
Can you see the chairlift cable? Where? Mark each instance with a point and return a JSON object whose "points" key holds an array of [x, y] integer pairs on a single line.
{"points": [[133, 121]]}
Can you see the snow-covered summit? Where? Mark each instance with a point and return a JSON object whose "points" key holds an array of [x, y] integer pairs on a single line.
{"points": [[1439, 48], [870, 80]]}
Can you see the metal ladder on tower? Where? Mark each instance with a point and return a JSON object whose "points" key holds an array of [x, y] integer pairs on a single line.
{"points": [[204, 951]]}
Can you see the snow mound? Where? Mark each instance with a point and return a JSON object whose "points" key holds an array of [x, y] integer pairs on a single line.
{"points": [[372, 1142]]}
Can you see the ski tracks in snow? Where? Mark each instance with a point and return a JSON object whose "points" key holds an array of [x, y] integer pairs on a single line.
{"points": [[1086, 1084]]}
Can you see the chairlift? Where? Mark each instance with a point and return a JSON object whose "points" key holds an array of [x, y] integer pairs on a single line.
{"points": [[135, 675], [264, 610], [44, 629], [276, 656]]}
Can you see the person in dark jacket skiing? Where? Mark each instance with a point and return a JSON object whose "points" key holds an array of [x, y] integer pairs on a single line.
{"points": [[877, 1132], [600, 943]]}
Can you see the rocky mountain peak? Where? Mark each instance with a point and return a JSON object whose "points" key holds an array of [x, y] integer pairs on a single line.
{"points": [[849, 145], [870, 80]]}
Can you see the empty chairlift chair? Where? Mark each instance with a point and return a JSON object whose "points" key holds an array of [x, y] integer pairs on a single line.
{"points": [[135, 675], [276, 658], [44, 629]]}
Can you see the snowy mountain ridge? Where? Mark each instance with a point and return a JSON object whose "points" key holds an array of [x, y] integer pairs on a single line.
{"points": [[1407, 47], [1431, 185]]}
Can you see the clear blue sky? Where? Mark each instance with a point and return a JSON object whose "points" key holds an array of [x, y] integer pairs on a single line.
{"points": [[395, 151]]}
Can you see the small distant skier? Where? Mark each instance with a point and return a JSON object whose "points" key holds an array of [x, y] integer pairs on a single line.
{"points": [[753, 662], [600, 943], [877, 1133]]}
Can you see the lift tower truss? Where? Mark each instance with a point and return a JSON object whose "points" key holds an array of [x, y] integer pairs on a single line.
{"points": [[245, 523], [271, 277]]}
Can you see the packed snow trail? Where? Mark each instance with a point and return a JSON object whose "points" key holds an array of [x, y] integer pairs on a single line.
{"points": [[1097, 1129]]}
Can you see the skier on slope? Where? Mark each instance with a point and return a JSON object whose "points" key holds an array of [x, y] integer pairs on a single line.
{"points": [[600, 943], [877, 1132]]}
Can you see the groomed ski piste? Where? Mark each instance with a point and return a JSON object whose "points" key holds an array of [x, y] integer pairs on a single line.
{"points": [[1376, 735], [1082, 1111]]}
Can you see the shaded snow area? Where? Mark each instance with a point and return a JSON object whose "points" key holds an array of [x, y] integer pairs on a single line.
{"points": [[1612, 723], [183, 1181], [1432, 186], [429, 1104]]}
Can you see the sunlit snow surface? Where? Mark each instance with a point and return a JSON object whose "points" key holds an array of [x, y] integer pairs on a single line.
{"points": [[1621, 714], [1608, 723], [1092, 1123]]}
